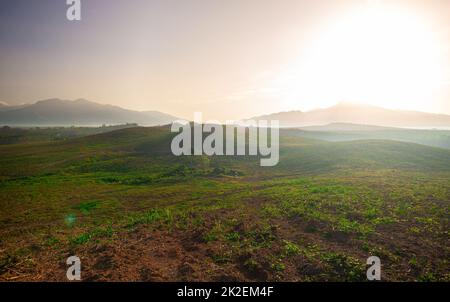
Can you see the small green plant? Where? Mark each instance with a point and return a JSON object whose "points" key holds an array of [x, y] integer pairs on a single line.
{"points": [[222, 258], [233, 236], [428, 277], [210, 236], [271, 211], [152, 216], [278, 266], [413, 261], [82, 239], [290, 248], [261, 237], [346, 267], [96, 233], [52, 241]]}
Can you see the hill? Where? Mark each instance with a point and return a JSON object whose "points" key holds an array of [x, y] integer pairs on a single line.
{"points": [[347, 132], [298, 154]]}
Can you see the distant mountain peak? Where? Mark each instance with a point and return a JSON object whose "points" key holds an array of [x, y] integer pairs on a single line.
{"points": [[360, 113], [79, 112], [83, 101], [49, 101], [53, 100], [45, 101]]}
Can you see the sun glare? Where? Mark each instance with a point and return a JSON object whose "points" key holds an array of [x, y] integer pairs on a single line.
{"points": [[376, 55]]}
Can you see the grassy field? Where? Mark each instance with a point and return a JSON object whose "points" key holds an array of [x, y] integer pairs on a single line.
{"points": [[10, 135], [132, 211]]}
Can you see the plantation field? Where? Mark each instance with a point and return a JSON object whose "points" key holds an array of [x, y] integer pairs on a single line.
{"points": [[132, 211]]}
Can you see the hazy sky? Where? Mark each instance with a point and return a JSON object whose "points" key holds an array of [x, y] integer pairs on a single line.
{"points": [[228, 58]]}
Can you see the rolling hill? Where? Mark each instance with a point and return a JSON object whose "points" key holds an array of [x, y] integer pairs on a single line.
{"points": [[298, 153], [339, 132], [56, 112]]}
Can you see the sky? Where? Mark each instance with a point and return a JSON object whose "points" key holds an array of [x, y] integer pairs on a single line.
{"points": [[229, 59]]}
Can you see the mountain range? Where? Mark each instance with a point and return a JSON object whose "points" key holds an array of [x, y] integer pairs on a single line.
{"points": [[57, 112], [360, 114]]}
